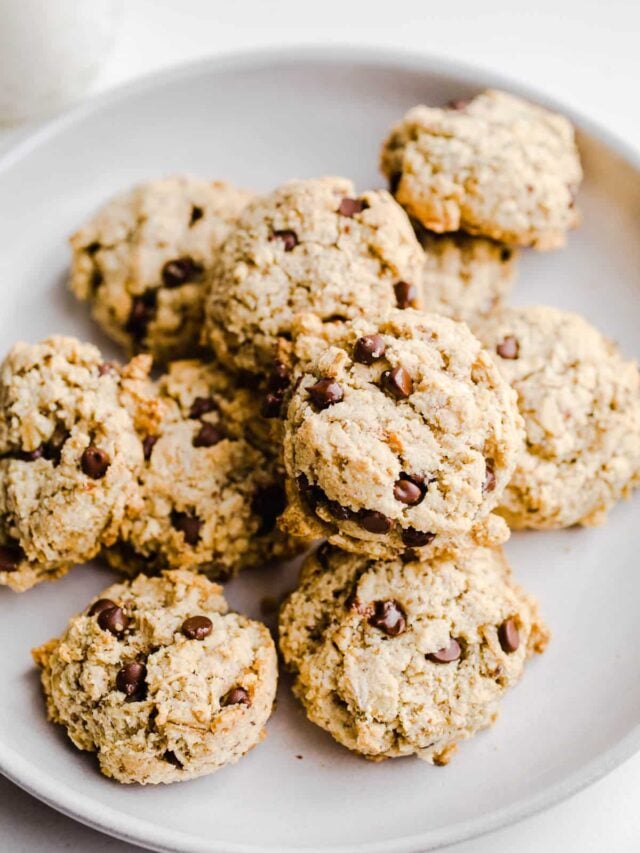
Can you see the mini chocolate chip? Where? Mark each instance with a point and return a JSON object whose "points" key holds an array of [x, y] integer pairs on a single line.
{"points": [[342, 513], [324, 393], [100, 605], [92, 248], [369, 349], [408, 491], [52, 450], [197, 627], [10, 557], [202, 406], [394, 182], [388, 616], [312, 495], [374, 522], [207, 436], [509, 636], [130, 680], [96, 280], [188, 524], [107, 368], [236, 696], [143, 309], [409, 556], [397, 382], [279, 378], [505, 254], [196, 214], [448, 654], [269, 502], [113, 620], [406, 294], [323, 553], [271, 406], [181, 271], [289, 238], [351, 206], [29, 455], [413, 538], [489, 477], [95, 462], [172, 758], [148, 443], [509, 348]]}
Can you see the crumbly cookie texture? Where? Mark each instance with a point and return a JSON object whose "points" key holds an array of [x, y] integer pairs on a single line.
{"points": [[69, 459], [143, 259], [496, 166], [160, 680], [580, 401], [310, 246], [466, 278], [212, 483], [401, 658], [399, 435]]}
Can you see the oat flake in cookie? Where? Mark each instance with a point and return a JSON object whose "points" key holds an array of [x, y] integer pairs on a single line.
{"points": [[160, 680], [580, 401], [143, 259], [312, 246], [496, 166], [69, 459], [400, 435], [212, 482], [400, 658]]}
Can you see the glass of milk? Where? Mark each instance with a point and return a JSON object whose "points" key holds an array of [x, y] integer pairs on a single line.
{"points": [[50, 51]]}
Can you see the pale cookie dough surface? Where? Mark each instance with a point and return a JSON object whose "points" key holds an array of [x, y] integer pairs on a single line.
{"points": [[466, 278], [294, 251], [580, 401], [212, 483], [143, 259], [385, 469], [496, 166], [163, 700], [359, 636], [69, 459]]}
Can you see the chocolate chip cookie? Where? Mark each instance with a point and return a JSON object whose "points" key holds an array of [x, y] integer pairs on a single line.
{"points": [[160, 680], [496, 166], [401, 658]]}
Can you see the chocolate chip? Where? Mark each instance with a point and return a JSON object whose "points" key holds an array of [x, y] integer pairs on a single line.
{"points": [[95, 462], [207, 436], [374, 522], [408, 490], [148, 443], [100, 605], [279, 378], [388, 616], [29, 455], [448, 654], [413, 538], [271, 406], [96, 280], [394, 182], [113, 620], [406, 294], [289, 239], [236, 696], [92, 248], [509, 636], [323, 553], [196, 214], [489, 477], [342, 513], [326, 392], [312, 495], [172, 758], [181, 271], [52, 450], [202, 406], [351, 206], [197, 627], [505, 254], [368, 349], [397, 382], [107, 368], [269, 502], [509, 348], [143, 309], [188, 524], [130, 680], [10, 557]]}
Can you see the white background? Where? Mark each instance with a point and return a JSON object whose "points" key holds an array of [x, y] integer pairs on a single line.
{"points": [[585, 53]]}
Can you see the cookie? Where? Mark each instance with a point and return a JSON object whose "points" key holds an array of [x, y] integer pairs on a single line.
{"points": [[407, 658], [465, 278], [143, 259], [580, 401], [496, 166], [160, 680], [212, 484], [310, 246], [399, 435], [69, 459]]}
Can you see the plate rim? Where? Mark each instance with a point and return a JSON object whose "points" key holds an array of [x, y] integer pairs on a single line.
{"points": [[110, 821]]}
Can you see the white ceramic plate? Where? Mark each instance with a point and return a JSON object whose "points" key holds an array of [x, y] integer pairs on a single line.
{"points": [[258, 120]]}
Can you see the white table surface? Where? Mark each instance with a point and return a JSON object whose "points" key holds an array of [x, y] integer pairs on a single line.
{"points": [[584, 52]]}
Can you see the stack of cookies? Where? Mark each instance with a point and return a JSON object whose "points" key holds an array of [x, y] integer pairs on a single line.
{"points": [[313, 364]]}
